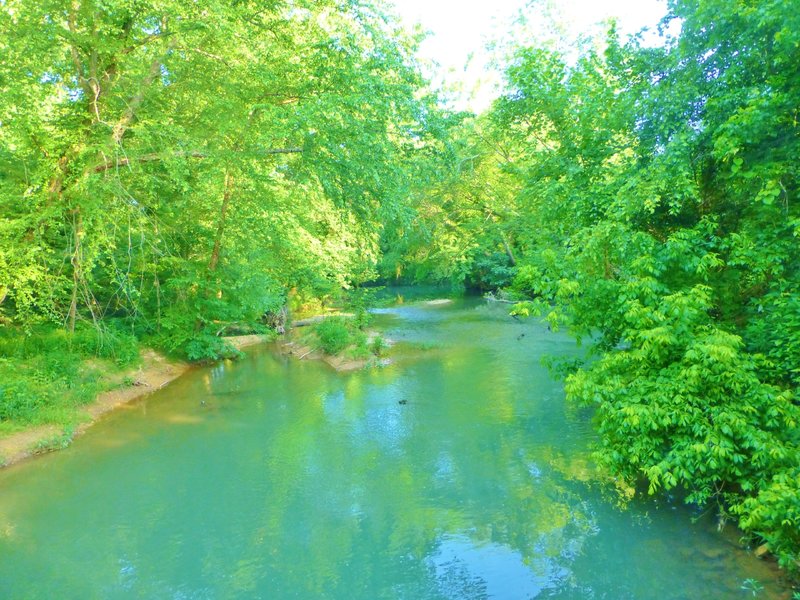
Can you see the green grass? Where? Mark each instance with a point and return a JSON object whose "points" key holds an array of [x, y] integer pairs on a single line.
{"points": [[47, 374], [345, 336], [55, 442]]}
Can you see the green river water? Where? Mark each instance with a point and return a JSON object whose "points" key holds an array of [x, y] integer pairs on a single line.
{"points": [[456, 472]]}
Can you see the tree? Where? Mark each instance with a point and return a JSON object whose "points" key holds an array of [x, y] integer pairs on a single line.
{"points": [[181, 166], [651, 205]]}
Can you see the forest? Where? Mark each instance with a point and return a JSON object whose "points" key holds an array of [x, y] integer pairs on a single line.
{"points": [[172, 171]]}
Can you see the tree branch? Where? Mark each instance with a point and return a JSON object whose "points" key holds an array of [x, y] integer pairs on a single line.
{"points": [[155, 157], [127, 118]]}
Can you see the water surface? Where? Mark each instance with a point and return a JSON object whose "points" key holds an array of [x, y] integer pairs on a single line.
{"points": [[458, 472]]}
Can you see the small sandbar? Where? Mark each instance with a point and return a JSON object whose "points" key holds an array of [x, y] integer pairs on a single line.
{"points": [[297, 346]]}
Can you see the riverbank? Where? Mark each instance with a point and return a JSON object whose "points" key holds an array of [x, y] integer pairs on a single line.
{"points": [[153, 373], [303, 347]]}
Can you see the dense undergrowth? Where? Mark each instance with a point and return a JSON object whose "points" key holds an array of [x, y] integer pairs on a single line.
{"points": [[47, 374]]}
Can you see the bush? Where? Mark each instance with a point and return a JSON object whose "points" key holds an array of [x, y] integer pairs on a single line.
{"points": [[774, 515], [378, 345], [19, 401], [205, 347], [334, 335], [531, 282], [491, 271], [107, 341]]}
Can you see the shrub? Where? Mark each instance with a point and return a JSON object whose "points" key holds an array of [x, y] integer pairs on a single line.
{"points": [[334, 335], [205, 347], [107, 341], [378, 345], [19, 401], [774, 515]]}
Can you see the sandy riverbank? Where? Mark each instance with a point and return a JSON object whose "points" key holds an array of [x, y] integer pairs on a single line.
{"points": [[155, 372]]}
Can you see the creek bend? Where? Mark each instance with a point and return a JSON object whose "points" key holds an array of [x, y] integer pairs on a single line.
{"points": [[457, 472]]}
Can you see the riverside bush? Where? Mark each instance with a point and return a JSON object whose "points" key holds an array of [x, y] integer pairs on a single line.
{"points": [[107, 341], [46, 373], [334, 335]]}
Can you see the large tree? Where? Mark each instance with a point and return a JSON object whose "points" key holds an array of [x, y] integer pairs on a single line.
{"points": [[195, 160]]}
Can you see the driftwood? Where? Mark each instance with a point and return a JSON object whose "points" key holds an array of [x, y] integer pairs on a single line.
{"points": [[307, 353], [492, 298]]}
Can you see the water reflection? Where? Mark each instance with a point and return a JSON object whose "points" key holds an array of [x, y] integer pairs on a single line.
{"points": [[279, 479], [468, 569]]}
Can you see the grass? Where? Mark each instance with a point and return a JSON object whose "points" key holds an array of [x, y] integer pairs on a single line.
{"points": [[345, 336], [47, 374], [378, 346], [55, 442]]}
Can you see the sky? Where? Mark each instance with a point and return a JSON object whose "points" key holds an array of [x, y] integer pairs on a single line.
{"points": [[459, 31]]}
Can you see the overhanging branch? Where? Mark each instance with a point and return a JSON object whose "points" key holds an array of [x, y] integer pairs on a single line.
{"points": [[155, 157]]}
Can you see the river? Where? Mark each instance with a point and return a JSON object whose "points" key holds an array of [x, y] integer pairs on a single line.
{"points": [[457, 472]]}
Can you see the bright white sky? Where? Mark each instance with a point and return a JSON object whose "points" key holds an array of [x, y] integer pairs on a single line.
{"points": [[460, 30]]}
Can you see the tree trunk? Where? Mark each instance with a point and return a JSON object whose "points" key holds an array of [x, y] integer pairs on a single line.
{"points": [[223, 211], [77, 274], [509, 251], [226, 197]]}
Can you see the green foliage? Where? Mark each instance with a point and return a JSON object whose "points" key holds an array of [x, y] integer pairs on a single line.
{"points": [[773, 514], [529, 281], [378, 346], [459, 223], [491, 271], [46, 373], [775, 314], [344, 335], [334, 335], [359, 300], [205, 347], [644, 198], [289, 129], [20, 401], [359, 348], [562, 367], [688, 411]]}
